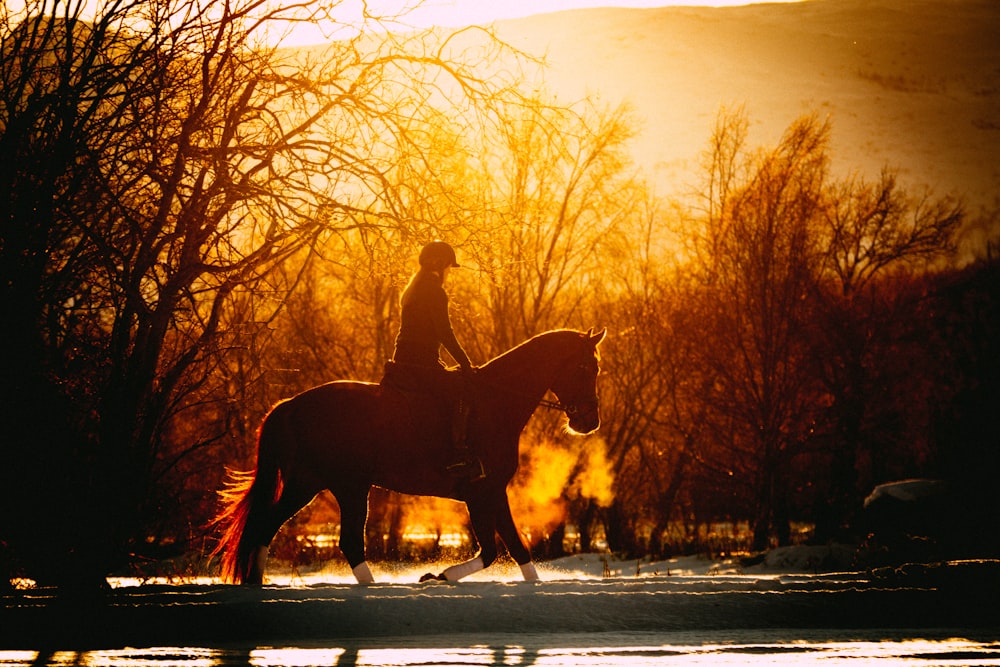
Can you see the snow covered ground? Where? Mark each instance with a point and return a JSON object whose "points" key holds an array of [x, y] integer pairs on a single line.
{"points": [[795, 607], [581, 567]]}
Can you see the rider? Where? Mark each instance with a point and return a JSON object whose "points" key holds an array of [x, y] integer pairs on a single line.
{"points": [[425, 326]]}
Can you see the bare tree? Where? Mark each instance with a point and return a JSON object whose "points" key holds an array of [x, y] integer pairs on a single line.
{"points": [[869, 232], [755, 255], [158, 164], [560, 185]]}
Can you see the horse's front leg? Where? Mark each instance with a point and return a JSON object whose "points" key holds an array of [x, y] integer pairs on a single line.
{"points": [[511, 537]]}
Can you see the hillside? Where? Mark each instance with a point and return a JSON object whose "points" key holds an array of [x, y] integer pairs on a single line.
{"points": [[914, 84]]}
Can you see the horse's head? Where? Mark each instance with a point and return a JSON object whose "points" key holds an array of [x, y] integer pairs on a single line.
{"points": [[576, 384]]}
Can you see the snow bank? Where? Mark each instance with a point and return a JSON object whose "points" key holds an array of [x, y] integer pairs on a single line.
{"points": [[955, 595], [580, 567]]}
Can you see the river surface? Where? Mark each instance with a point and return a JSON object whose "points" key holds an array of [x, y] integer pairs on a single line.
{"points": [[711, 649]]}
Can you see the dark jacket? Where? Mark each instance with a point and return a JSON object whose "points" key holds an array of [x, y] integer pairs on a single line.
{"points": [[425, 325]]}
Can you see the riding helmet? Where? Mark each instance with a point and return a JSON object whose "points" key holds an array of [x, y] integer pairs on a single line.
{"points": [[438, 253]]}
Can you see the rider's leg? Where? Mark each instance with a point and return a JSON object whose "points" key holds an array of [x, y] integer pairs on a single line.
{"points": [[464, 462]]}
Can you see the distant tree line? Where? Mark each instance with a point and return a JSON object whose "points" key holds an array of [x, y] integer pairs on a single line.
{"points": [[196, 224]]}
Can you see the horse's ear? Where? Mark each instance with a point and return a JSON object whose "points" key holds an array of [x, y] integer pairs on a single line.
{"points": [[596, 338]]}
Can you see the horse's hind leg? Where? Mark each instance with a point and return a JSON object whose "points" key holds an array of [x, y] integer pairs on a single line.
{"points": [[482, 513], [263, 530], [353, 516]]}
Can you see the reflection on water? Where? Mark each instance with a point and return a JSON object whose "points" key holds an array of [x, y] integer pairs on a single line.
{"points": [[556, 651]]}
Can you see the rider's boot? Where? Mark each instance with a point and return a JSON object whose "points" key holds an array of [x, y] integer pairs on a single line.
{"points": [[463, 464]]}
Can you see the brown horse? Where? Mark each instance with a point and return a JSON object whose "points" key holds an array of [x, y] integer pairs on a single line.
{"points": [[349, 436]]}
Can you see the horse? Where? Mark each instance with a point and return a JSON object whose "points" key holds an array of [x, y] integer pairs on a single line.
{"points": [[347, 436]]}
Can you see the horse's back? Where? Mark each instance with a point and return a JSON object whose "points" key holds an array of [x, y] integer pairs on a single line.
{"points": [[331, 398], [340, 390], [344, 434], [328, 427]]}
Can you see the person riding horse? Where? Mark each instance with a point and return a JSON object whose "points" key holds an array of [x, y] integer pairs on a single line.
{"points": [[425, 327], [348, 436]]}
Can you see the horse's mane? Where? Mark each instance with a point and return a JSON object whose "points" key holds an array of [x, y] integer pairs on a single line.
{"points": [[546, 337]]}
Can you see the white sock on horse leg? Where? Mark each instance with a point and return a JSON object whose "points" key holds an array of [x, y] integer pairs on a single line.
{"points": [[529, 572], [363, 573], [259, 557], [456, 572]]}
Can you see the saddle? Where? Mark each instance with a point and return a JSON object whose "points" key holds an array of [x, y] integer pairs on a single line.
{"points": [[404, 396], [407, 378], [447, 393]]}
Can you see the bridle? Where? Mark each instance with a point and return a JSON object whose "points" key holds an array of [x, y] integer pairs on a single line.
{"points": [[569, 408], [556, 405]]}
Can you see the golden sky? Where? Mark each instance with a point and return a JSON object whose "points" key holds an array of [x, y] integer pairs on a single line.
{"points": [[458, 13], [455, 13], [411, 13]]}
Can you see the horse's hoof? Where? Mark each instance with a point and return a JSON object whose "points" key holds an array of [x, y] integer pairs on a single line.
{"points": [[430, 576]]}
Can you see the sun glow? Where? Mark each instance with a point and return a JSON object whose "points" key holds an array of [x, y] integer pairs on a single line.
{"points": [[404, 15], [319, 23]]}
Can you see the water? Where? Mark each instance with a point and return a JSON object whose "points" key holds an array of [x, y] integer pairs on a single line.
{"points": [[712, 649], [941, 616]]}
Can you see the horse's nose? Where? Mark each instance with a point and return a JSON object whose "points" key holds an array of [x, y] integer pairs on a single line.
{"points": [[585, 420]]}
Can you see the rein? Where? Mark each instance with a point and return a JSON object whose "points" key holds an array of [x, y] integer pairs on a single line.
{"points": [[570, 409], [556, 405]]}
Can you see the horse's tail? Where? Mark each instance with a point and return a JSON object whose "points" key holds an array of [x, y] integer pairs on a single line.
{"points": [[245, 497]]}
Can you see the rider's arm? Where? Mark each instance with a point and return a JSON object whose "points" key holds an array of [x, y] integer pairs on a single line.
{"points": [[445, 333]]}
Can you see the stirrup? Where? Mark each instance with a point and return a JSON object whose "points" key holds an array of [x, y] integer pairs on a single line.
{"points": [[471, 468]]}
